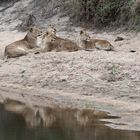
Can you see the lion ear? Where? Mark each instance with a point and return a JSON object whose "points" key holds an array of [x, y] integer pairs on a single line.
{"points": [[31, 29], [51, 25], [81, 32], [47, 33]]}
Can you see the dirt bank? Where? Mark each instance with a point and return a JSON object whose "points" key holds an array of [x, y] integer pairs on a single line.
{"points": [[107, 81], [103, 80]]}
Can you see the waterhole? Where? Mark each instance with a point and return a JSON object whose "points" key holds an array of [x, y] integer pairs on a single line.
{"points": [[24, 123]]}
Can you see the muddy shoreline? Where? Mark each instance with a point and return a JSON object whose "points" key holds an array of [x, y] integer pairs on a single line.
{"points": [[106, 81], [57, 98]]}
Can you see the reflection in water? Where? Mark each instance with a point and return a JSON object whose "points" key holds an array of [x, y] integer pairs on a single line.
{"points": [[63, 125], [35, 116]]}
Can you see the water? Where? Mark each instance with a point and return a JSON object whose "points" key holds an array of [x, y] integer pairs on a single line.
{"points": [[13, 127]]}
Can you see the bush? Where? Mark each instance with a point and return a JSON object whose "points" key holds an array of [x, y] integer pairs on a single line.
{"points": [[102, 13], [7, 1]]}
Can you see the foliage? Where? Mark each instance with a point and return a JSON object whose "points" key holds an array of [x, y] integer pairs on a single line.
{"points": [[106, 12]]}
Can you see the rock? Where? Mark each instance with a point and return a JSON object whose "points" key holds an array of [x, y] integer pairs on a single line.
{"points": [[133, 51], [119, 38]]}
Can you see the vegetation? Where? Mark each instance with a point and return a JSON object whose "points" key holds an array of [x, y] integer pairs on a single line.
{"points": [[102, 13], [98, 13], [7, 1]]}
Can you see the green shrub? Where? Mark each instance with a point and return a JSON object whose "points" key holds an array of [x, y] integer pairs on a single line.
{"points": [[102, 13]]}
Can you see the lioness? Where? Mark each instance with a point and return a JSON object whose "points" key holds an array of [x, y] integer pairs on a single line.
{"points": [[34, 116], [23, 46], [47, 116], [88, 43], [51, 29], [51, 42], [29, 113]]}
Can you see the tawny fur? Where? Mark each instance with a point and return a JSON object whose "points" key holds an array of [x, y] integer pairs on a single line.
{"points": [[23, 46], [51, 29], [30, 114], [88, 43], [54, 43], [36, 116]]}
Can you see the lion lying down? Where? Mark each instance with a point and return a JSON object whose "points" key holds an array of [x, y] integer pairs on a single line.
{"points": [[89, 43], [23, 46]]}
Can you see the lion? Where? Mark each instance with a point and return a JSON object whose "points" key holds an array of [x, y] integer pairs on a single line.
{"points": [[34, 116], [51, 29], [28, 112], [25, 45], [87, 43], [47, 116], [51, 42]]}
